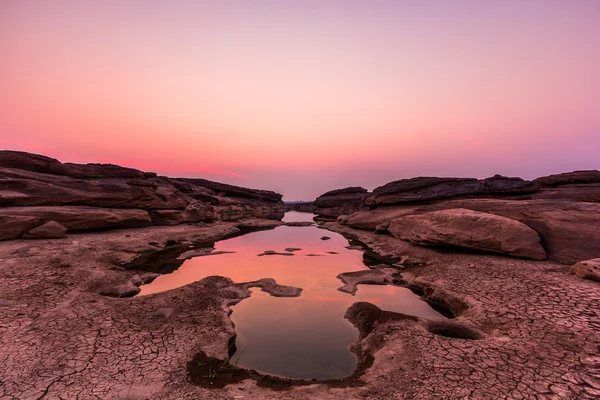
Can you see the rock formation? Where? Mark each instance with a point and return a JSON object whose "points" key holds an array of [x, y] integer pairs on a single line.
{"points": [[469, 229], [589, 269], [340, 201], [35, 190], [563, 209]]}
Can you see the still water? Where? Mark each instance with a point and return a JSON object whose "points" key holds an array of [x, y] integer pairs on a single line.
{"points": [[303, 337]]}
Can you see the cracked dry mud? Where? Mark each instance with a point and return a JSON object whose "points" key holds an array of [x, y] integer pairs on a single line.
{"points": [[530, 329]]}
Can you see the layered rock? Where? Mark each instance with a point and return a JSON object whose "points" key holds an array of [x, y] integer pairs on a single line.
{"points": [[575, 186], [80, 218], [423, 189], [569, 230], [101, 196], [469, 229], [340, 201], [563, 209], [12, 226]]}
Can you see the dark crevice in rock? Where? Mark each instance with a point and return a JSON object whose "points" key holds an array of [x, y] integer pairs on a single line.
{"points": [[454, 330]]}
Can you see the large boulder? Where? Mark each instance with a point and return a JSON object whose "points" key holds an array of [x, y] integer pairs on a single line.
{"points": [[13, 226], [50, 230], [469, 229], [589, 269], [569, 229], [83, 218], [340, 201]]}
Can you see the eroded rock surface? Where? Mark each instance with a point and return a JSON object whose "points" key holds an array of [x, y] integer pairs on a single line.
{"points": [[470, 229], [522, 328], [568, 229], [589, 269], [102, 196], [340, 201]]}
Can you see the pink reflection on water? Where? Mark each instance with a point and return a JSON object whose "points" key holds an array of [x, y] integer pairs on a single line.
{"points": [[304, 337]]}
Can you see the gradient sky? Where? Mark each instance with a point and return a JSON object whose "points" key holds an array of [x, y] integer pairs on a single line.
{"points": [[303, 96]]}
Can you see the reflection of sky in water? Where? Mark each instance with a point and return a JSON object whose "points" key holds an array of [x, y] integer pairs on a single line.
{"points": [[296, 216], [303, 337]]}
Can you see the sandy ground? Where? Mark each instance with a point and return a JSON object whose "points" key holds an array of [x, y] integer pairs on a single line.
{"points": [[523, 329]]}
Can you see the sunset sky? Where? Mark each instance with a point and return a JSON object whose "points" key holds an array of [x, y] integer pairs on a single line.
{"points": [[303, 96]]}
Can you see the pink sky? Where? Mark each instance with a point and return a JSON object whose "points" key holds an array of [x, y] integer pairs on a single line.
{"points": [[303, 96]]}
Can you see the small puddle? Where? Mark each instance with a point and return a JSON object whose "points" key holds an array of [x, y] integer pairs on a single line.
{"points": [[304, 337]]}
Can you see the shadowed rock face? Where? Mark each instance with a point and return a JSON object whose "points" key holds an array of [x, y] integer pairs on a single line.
{"points": [[431, 188], [102, 196], [340, 201], [570, 178]]}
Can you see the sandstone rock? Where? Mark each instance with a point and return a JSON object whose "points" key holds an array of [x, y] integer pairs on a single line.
{"points": [[194, 212], [576, 192], [569, 230], [589, 269], [144, 278], [469, 229], [83, 218], [128, 289], [499, 184], [352, 189], [30, 180], [50, 230], [424, 189], [25, 188], [13, 226], [237, 192], [569, 178], [376, 276], [46, 165], [340, 201]]}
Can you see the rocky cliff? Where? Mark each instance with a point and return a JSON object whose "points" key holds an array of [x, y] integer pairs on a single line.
{"points": [[35, 190], [563, 210]]}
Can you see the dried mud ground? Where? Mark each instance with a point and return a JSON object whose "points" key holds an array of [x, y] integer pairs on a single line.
{"points": [[523, 329]]}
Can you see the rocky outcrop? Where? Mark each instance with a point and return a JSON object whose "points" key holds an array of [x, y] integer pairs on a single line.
{"points": [[340, 201], [102, 196], [570, 178], [589, 269], [568, 229], [423, 189], [469, 229], [76, 218], [50, 230], [12, 226], [561, 208]]}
